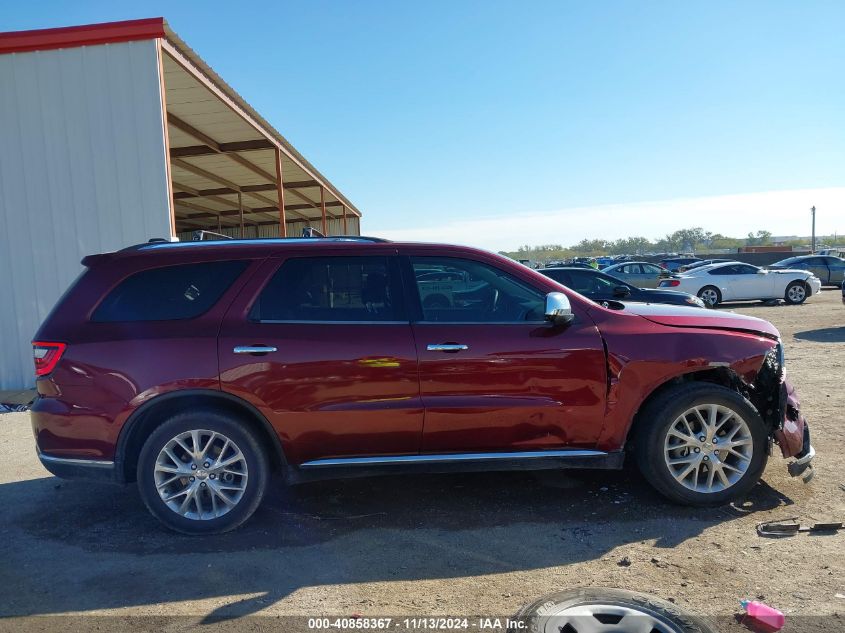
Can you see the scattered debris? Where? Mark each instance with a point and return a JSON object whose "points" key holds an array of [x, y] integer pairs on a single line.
{"points": [[790, 527], [624, 562]]}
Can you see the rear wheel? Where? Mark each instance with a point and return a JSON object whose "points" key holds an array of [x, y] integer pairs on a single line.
{"points": [[796, 292], [710, 295], [701, 444], [202, 472]]}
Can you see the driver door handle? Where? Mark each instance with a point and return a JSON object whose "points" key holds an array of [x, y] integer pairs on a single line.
{"points": [[446, 347]]}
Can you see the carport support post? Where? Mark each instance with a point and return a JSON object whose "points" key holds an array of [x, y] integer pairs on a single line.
{"points": [[280, 190], [241, 212], [325, 230], [813, 246], [344, 221]]}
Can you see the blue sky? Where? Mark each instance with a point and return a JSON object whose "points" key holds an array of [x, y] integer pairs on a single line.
{"points": [[583, 119]]}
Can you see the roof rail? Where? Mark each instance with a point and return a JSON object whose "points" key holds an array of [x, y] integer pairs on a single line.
{"points": [[230, 241]]}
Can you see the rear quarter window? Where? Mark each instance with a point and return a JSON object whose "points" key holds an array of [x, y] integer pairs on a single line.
{"points": [[169, 293]]}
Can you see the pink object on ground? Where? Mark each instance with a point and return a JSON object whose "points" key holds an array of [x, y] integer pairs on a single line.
{"points": [[765, 618]]}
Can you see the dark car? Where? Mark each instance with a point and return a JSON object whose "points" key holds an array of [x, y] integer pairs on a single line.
{"points": [[702, 262], [600, 287], [831, 270], [672, 264], [199, 369]]}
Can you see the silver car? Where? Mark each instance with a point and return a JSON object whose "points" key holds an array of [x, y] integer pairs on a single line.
{"points": [[639, 274]]}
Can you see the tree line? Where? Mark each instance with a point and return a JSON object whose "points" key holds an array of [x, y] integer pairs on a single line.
{"points": [[684, 240]]}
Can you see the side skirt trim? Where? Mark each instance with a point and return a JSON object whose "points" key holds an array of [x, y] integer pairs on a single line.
{"points": [[447, 458], [342, 468]]}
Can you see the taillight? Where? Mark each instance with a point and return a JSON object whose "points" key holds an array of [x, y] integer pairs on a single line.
{"points": [[46, 355], [669, 283]]}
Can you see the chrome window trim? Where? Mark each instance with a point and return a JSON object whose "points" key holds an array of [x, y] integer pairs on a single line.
{"points": [[305, 322], [447, 458], [541, 322]]}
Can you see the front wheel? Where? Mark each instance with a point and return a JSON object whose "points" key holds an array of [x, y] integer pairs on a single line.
{"points": [[796, 293], [202, 472], [701, 444]]}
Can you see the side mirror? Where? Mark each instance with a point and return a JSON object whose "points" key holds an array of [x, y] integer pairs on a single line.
{"points": [[558, 310], [621, 291]]}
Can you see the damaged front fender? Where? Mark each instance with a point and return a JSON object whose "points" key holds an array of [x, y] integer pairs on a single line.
{"points": [[777, 401]]}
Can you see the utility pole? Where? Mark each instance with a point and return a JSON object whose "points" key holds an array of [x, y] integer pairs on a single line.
{"points": [[813, 246]]}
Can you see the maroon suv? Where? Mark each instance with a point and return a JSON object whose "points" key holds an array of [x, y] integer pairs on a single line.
{"points": [[199, 369]]}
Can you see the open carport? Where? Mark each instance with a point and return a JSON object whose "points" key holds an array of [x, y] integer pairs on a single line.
{"points": [[113, 134]]}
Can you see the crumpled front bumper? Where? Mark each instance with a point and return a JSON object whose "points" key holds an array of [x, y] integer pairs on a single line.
{"points": [[794, 435]]}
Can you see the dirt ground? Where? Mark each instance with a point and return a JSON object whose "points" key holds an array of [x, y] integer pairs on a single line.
{"points": [[473, 544]]}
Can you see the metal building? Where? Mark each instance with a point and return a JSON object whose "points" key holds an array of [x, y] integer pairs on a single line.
{"points": [[112, 134]]}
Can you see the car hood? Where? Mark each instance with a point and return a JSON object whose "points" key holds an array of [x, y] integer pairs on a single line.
{"points": [[691, 317], [663, 292]]}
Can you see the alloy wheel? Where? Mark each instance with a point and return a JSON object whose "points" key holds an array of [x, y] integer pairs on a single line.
{"points": [[796, 293], [201, 474], [708, 448], [605, 618], [709, 296]]}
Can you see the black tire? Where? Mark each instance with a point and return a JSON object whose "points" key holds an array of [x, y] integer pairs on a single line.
{"points": [[257, 473], [709, 291], [538, 617], [799, 292], [658, 416]]}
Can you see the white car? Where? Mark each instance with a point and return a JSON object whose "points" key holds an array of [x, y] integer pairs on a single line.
{"points": [[735, 281]]}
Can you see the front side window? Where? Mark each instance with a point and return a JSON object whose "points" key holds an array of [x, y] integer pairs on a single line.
{"points": [[593, 284], [474, 293], [331, 289], [560, 276], [169, 293]]}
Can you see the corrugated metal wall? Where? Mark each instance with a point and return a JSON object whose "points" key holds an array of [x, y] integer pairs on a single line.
{"points": [[82, 170], [353, 227]]}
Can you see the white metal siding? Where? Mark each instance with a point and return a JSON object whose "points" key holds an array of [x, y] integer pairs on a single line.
{"points": [[82, 170]]}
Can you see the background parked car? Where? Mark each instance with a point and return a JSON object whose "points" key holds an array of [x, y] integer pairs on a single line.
{"points": [[703, 262], [601, 287], [674, 263], [743, 282], [639, 274], [830, 270]]}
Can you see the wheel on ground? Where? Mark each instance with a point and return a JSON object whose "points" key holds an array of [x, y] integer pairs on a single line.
{"points": [[202, 472], [592, 610], [710, 295], [796, 292], [701, 444]]}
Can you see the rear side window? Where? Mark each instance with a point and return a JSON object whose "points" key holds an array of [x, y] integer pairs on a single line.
{"points": [[169, 293], [331, 289]]}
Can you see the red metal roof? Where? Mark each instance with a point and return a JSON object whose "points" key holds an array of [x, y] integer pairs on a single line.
{"points": [[84, 35]]}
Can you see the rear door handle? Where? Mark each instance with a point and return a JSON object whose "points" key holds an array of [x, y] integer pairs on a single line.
{"points": [[446, 347], [254, 349]]}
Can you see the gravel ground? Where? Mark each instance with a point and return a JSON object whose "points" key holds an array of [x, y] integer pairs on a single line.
{"points": [[448, 544]]}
